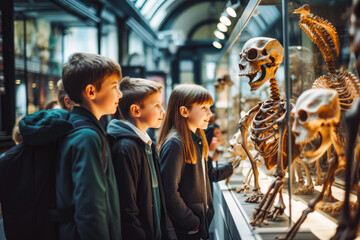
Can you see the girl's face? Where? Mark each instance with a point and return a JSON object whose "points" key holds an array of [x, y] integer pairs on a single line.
{"points": [[198, 116]]}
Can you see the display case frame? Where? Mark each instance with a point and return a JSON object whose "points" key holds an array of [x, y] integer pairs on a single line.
{"points": [[233, 102]]}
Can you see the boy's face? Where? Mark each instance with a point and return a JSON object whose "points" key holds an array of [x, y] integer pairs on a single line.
{"points": [[199, 116], [107, 99], [152, 112]]}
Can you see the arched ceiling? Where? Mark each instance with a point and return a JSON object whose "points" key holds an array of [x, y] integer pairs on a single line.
{"points": [[180, 15]]}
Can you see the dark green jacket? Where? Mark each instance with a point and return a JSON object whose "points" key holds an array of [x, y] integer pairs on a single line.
{"points": [[84, 183]]}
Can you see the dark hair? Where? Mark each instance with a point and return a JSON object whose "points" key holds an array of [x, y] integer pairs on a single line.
{"points": [[85, 68], [135, 91]]}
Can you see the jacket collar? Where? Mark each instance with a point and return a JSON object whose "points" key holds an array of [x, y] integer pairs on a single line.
{"points": [[196, 138], [89, 115]]}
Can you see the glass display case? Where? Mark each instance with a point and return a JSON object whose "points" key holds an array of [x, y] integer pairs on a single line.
{"points": [[316, 55]]}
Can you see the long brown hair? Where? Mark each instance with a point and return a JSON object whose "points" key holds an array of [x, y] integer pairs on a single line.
{"points": [[184, 95]]}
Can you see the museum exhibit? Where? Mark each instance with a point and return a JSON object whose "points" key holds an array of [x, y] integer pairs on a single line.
{"points": [[283, 76]]}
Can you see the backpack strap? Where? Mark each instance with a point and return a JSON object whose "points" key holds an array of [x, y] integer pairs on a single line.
{"points": [[81, 124]]}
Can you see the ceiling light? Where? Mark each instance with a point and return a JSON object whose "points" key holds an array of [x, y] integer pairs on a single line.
{"points": [[233, 9], [219, 34], [217, 44], [225, 20], [222, 27]]}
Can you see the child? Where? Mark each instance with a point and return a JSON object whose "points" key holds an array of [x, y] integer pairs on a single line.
{"points": [[143, 210], [63, 98], [85, 182], [214, 139], [183, 150]]}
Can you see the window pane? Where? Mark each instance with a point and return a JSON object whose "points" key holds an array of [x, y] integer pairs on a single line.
{"points": [[80, 39]]}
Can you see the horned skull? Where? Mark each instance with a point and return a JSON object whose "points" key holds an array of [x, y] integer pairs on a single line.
{"points": [[260, 59], [317, 112]]}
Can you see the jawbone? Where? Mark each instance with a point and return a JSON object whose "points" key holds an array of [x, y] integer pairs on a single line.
{"points": [[313, 155]]}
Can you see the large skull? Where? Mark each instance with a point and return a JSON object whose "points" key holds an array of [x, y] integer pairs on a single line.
{"points": [[317, 111], [260, 59]]}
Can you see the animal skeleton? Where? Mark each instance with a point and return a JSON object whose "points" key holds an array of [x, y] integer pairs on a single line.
{"points": [[236, 154], [259, 61], [310, 124]]}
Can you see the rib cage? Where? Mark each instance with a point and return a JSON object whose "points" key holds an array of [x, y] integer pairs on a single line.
{"points": [[346, 84], [264, 131]]}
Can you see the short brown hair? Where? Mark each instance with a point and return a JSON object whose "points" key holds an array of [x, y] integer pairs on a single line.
{"points": [[85, 68], [135, 91]]}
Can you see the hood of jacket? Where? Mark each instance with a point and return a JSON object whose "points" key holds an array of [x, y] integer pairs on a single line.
{"points": [[119, 129], [44, 127]]}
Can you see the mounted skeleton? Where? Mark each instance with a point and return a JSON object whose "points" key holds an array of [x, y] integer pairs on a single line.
{"points": [[318, 113], [259, 61]]}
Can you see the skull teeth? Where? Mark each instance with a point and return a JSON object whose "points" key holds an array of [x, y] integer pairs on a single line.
{"points": [[306, 141], [248, 74], [312, 144]]}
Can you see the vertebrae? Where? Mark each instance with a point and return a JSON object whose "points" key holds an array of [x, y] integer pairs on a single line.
{"points": [[322, 33], [275, 93]]}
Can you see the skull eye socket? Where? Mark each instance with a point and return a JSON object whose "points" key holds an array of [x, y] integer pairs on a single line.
{"points": [[302, 115], [252, 54]]}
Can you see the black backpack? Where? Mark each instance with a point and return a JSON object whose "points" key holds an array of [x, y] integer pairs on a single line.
{"points": [[27, 188]]}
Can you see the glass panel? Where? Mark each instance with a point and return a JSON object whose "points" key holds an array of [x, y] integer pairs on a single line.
{"points": [[149, 5], [306, 64], [2, 78], [80, 39], [136, 51], [139, 3], [109, 37], [186, 68]]}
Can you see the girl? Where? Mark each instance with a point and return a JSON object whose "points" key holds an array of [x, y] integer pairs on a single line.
{"points": [[183, 150]]}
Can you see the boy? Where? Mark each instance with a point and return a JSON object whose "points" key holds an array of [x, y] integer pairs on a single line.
{"points": [[142, 204], [85, 180]]}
